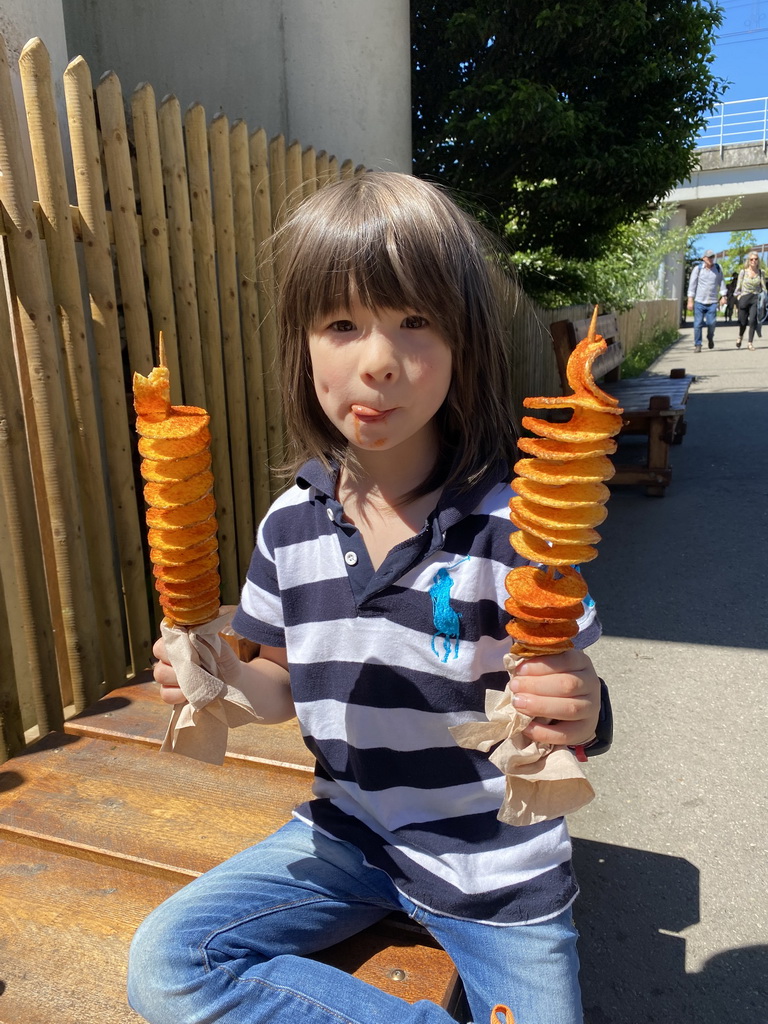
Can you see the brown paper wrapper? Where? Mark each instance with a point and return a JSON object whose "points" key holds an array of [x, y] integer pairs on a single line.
{"points": [[542, 781], [207, 669]]}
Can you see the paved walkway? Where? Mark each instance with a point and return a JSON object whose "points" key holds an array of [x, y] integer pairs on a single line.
{"points": [[671, 854]]}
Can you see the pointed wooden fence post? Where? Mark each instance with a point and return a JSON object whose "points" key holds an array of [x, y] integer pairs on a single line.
{"points": [[245, 242], [48, 160], [29, 660], [99, 272], [263, 220], [36, 340], [146, 139]]}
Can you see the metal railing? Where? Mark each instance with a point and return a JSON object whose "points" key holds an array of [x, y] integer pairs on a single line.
{"points": [[735, 122]]}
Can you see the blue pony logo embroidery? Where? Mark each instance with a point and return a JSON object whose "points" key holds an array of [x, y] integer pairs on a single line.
{"points": [[446, 620]]}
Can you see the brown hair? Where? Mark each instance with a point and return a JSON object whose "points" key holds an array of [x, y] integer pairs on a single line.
{"points": [[400, 243]]}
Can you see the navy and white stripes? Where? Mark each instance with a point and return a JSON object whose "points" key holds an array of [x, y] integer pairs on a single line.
{"points": [[381, 664]]}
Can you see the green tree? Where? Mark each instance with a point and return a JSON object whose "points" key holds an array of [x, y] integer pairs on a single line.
{"points": [[561, 119], [628, 269], [739, 244]]}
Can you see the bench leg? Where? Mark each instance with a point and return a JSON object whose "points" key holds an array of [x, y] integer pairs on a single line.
{"points": [[659, 470]]}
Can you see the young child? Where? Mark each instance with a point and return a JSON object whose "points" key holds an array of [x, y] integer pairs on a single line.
{"points": [[376, 591]]}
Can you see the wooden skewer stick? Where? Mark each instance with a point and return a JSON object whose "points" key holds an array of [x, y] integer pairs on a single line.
{"points": [[593, 325]]}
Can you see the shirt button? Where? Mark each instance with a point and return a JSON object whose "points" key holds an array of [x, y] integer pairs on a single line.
{"points": [[329, 513], [350, 558]]}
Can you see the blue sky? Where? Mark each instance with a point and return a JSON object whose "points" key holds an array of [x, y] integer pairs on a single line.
{"points": [[740, 57]]}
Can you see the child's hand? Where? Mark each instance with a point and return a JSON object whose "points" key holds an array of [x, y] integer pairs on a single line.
{"points": [[165, 675], [562, 688]]}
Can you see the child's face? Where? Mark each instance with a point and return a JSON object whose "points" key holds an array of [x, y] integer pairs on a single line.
{"points": [[380, 376]]}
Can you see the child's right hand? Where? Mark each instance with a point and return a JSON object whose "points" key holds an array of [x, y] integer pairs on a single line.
{"points": [[165, 675]]}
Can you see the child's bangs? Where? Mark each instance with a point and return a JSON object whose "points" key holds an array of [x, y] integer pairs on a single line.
{"points": [[385, 254], [367, 269]]}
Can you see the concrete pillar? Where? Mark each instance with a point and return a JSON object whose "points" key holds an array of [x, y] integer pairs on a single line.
{"points": [[673, 268], [348, 78], [334, 74]]}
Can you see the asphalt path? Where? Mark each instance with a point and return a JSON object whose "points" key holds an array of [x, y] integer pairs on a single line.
{"points": [[671, 855]]}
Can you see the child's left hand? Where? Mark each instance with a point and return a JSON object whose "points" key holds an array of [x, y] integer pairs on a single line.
{"points": [[563, 689]]}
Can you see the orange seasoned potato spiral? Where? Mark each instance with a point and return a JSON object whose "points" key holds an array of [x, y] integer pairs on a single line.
{"points": [[560, 499], [176, 464]]}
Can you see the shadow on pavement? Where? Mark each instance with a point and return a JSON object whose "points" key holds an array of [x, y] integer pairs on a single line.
{"points": [[633, 970], [689, 567]]}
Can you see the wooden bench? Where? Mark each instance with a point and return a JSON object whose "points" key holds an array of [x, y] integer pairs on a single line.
{"points": [[97, 827], [654, 405]]}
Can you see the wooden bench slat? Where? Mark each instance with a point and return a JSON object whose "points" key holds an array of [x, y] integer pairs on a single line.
{"points": [[634, 394], [162, 809], [136, 713], [66, 928], [67, 925]]}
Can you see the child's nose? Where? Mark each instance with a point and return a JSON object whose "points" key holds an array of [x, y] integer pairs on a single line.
{"points": [[379, 358]]}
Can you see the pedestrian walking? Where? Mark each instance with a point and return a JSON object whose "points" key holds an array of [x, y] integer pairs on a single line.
{"points": [[730, 298], [705, 285], [750, 294]]}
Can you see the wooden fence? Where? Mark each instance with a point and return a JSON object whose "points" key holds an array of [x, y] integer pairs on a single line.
{"points": [[163, 233], [169, 214]]}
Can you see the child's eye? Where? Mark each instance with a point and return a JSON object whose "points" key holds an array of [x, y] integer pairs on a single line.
{"points": [[415, 322], [341, 326]]}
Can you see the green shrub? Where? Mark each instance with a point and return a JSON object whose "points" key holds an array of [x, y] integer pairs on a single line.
{"points": [[648, 349]]}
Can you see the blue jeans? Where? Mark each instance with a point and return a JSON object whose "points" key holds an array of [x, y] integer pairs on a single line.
{"points": [[228, 947], [704, 312]]}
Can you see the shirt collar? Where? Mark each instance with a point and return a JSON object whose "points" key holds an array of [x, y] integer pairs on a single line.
{"points": [[454, 504]]}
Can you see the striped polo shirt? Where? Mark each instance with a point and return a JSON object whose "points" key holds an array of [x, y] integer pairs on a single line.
{"points": [[382, 663]]}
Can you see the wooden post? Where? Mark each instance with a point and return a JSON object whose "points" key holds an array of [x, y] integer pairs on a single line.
{"points": [[294, 181], [309, 170], [277, 179], [176, 184], [11, 731], [262, 220], [48, 159], [203, 242], [322, 168], [130, 267], [22, 568], [118, 439], [231, 340], [37, 347], [248, 270], [146, 139]]}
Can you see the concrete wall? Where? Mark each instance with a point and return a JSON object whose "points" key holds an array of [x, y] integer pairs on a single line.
{"points": [[22, 20], [334, 74]]}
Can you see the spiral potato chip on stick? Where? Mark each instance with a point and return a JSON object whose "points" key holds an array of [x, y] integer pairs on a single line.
{"points": [[176, 464], [560, 499]]}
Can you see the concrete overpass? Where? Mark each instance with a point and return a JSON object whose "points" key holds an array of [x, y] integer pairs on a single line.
{"points": [[739, 169], [733, 161]]}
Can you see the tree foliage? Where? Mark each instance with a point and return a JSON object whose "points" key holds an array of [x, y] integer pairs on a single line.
{"points": [[739, 244], [627, 271], [561, 119]]}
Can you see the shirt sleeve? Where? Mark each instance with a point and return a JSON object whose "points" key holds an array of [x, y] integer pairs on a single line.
{"points": [[259, 616], [693, 282]]}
